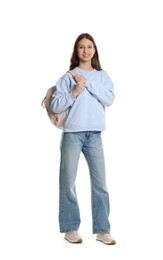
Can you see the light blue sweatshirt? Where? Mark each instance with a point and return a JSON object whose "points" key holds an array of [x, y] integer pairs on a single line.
{"points": [[87, 111]]}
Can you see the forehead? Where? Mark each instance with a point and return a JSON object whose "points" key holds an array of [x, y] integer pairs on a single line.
{"points": [[85, 42]]}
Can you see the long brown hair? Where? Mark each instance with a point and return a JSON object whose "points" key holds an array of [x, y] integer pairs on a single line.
{"points": [[74, 61]]}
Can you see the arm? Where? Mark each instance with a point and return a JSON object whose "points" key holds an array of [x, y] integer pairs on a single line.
{"points": [[80, 86], [102, 89], [62, 98], [67, 92]]}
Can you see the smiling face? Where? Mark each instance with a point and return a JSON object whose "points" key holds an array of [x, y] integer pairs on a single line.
{"points": [[85, 50]]}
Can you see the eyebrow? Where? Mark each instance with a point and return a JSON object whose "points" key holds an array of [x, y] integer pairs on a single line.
{"points": [[91, 44]]}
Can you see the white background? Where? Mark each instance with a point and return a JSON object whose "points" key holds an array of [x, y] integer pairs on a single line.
{"points": [[36, 43]]}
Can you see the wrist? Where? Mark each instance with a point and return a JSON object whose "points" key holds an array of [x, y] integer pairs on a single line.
{"points": [[74, 93]]}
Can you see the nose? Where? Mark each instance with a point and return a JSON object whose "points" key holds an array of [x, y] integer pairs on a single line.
{"points": [[85, 49]]}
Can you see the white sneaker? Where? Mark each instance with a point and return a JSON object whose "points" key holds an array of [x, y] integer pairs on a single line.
{"points": [[73, 237], [106, 238]]}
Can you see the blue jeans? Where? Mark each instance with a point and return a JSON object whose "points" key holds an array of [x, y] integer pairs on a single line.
{"points": [[90, 144]]}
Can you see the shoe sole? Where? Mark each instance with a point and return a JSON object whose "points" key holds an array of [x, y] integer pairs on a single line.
{"points": [[74, 242], [111, 243]]}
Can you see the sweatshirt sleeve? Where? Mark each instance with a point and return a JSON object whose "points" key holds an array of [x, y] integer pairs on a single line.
{"points": [[62, 97], [103, 89]]}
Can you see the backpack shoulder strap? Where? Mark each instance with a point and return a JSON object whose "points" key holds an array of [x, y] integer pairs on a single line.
{"points": [[72, 73]]}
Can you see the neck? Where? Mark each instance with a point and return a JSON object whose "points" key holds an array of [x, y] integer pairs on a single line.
{"points": [[85, 66]]}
